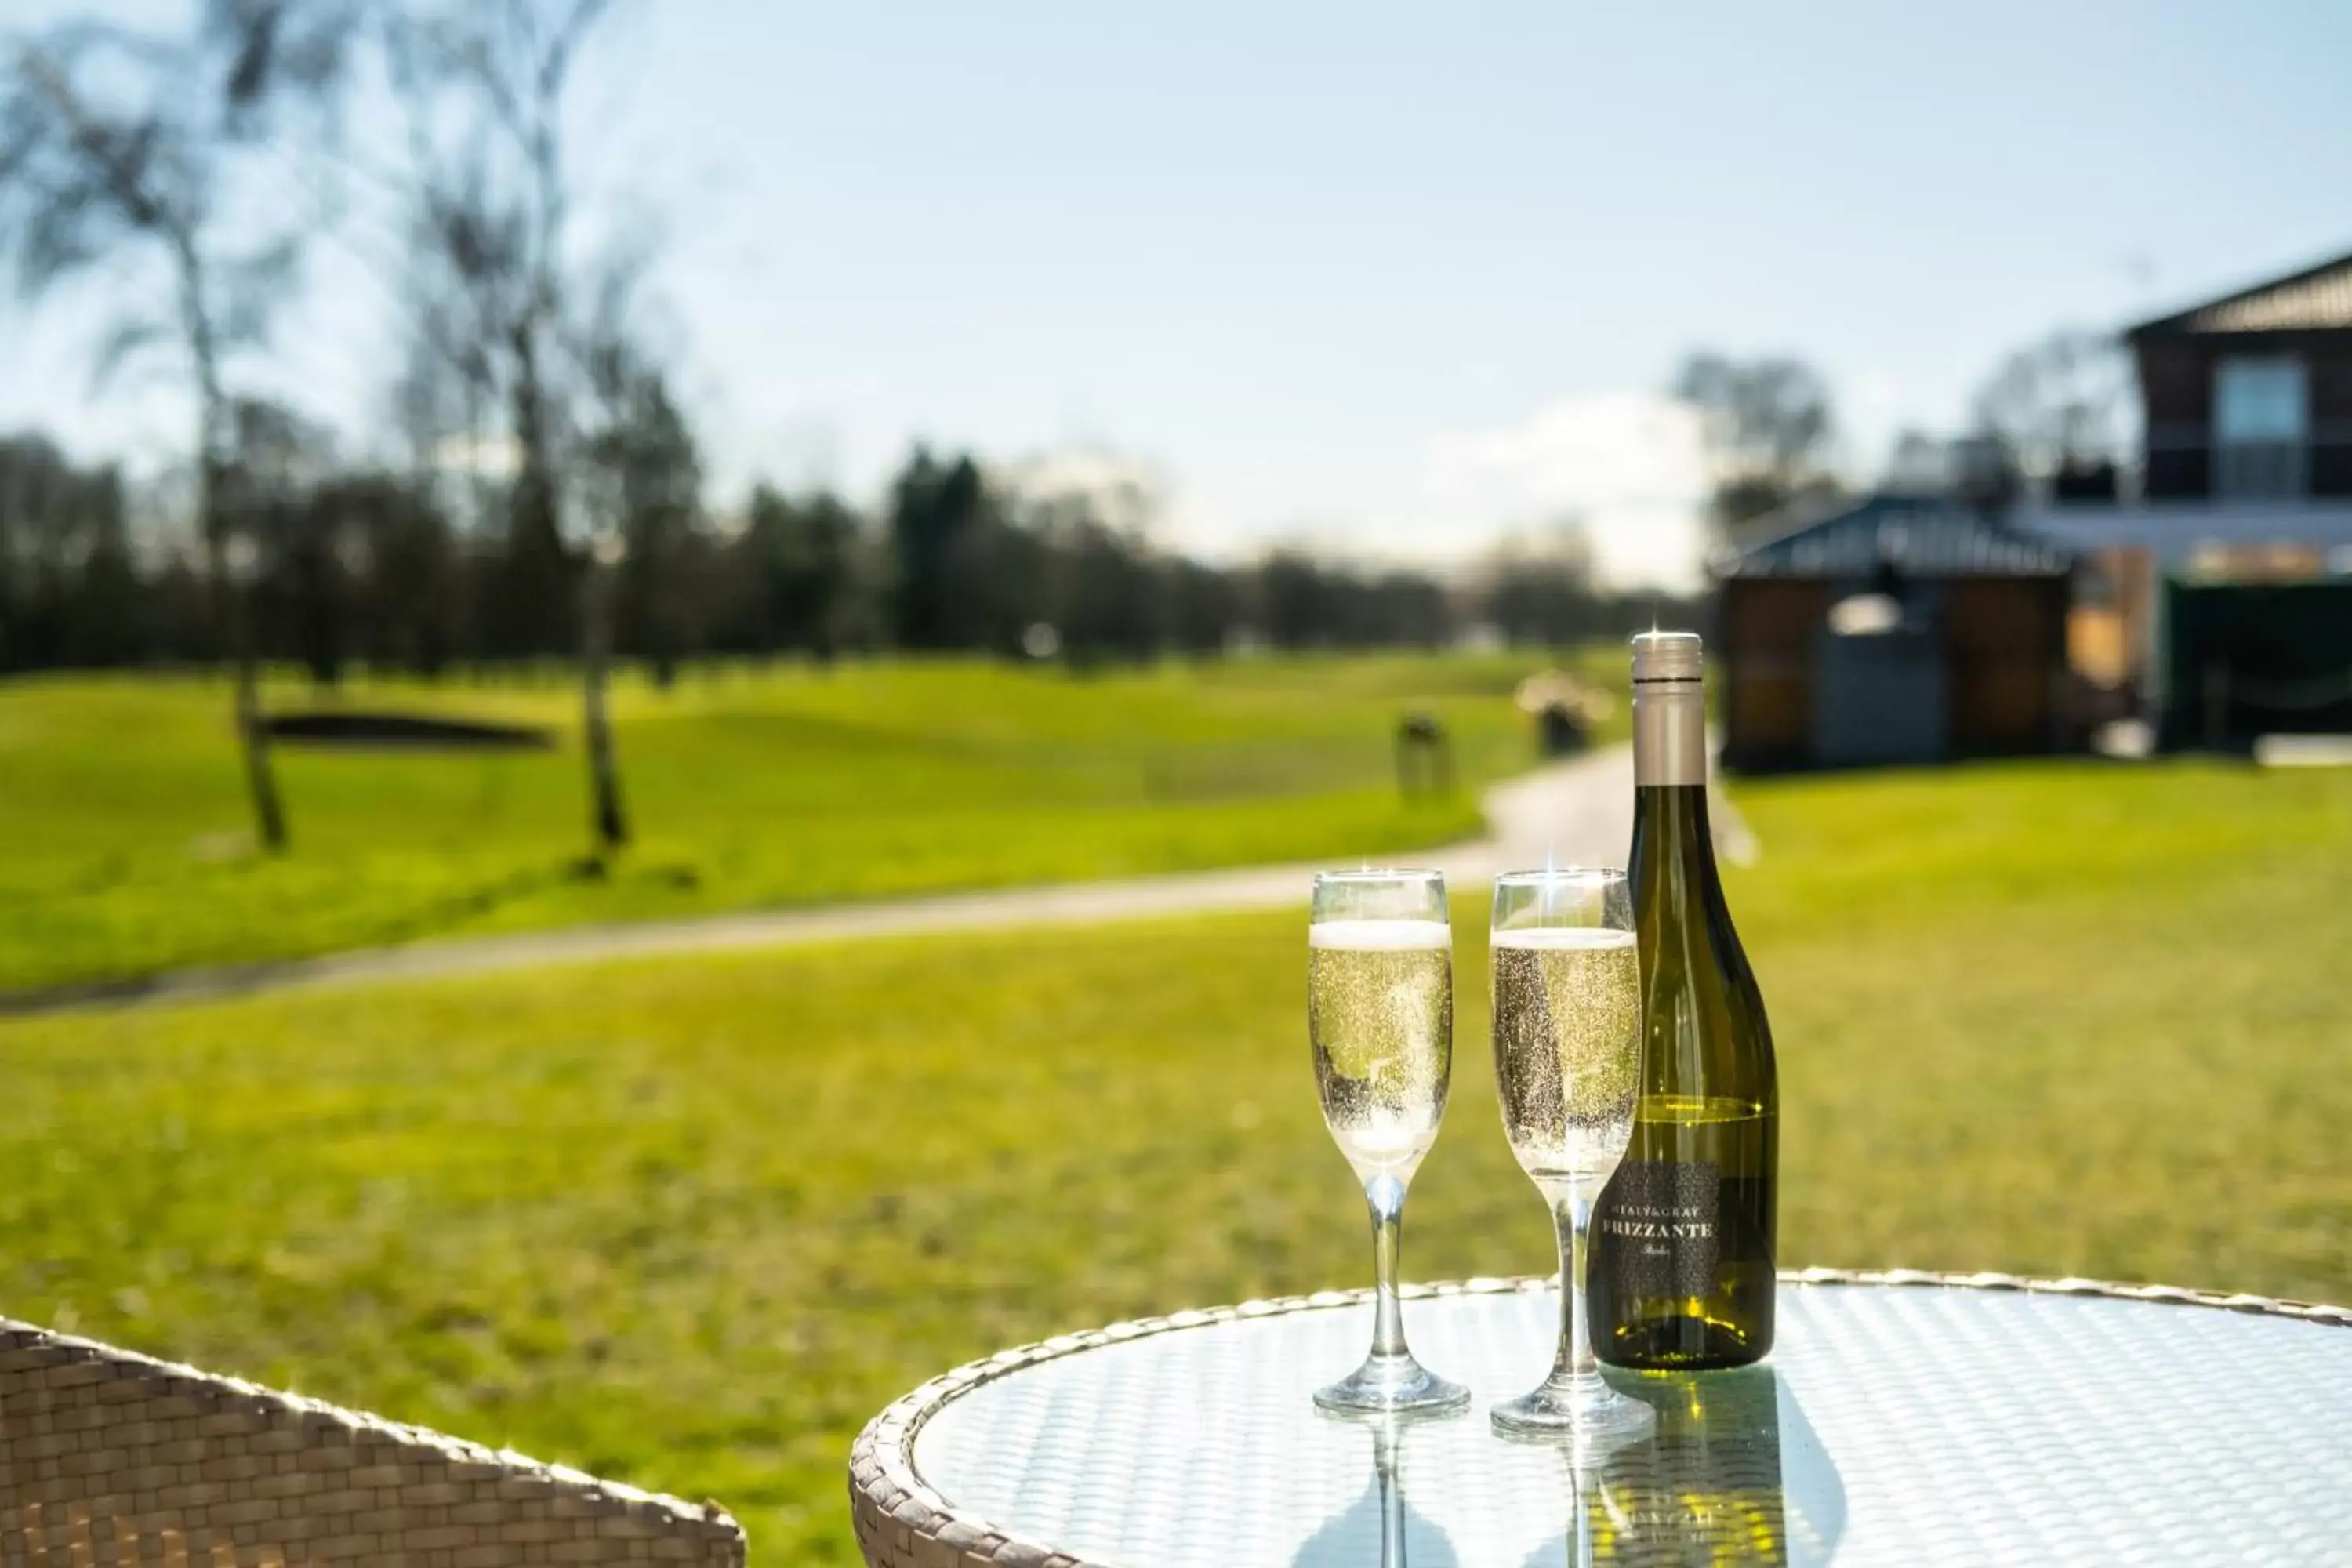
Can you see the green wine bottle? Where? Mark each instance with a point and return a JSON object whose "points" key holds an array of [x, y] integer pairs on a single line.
{"points": [[1684, 1234]]}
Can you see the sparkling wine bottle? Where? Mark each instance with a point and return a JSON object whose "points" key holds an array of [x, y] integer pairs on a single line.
{"points": [[1683, 1235]]}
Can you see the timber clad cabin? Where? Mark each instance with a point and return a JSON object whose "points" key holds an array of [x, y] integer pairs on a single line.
{"points": [[1906, 630]]}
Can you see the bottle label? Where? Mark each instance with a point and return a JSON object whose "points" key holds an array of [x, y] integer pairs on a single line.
{"points": [[1662, 1222]]}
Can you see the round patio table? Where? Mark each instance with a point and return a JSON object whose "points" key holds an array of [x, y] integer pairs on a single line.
{"points": [[1902, 1418]]}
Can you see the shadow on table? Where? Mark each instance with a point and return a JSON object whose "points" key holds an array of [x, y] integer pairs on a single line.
{"points": [[1380, 1520], [1733, 1475]]}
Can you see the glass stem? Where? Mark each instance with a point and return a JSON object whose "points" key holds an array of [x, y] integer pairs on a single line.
{"points": [[1384, 1466], [1385, 1195], [1573, 1217]]}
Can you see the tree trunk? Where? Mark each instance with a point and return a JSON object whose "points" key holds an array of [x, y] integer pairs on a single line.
{"points": [[261, 781], [216, 506], [233, 602], [252, 729], [606, 818], [252, 733]]}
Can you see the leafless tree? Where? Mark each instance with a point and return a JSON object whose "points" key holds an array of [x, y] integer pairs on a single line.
{"points": [[1919, 463], [1768, 425], [137, 152], [505, 314], [2061, 406]]}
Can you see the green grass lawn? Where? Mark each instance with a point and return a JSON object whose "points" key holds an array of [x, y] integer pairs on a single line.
{"points": [[691, 1223], [123, 824]]}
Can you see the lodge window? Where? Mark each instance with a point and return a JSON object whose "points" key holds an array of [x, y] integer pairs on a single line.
{"points": [[2261, 429]]}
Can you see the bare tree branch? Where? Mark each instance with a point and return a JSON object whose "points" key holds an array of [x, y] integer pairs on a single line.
{"points": [[555, 65]]}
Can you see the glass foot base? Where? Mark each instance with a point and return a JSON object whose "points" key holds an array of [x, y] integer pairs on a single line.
{"points": [[1582, 1409], [1402, 1384]]}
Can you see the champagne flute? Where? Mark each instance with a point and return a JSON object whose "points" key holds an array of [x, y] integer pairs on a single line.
{"points": [[1380, 1015], [1568, 1043]]}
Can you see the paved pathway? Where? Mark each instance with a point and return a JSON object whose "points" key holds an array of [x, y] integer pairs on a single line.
{"points": [[1578, 811]]}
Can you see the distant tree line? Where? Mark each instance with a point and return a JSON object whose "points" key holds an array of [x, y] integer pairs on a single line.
{"points": [[540, 493], [373, 568]]}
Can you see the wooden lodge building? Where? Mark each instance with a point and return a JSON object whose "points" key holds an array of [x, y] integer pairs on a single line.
{"points": [[2249, 397], [2216, 605], [1904, 629]]}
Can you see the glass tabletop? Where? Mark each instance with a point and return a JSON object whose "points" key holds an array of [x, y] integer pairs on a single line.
{"points": [[1891, 1425]]}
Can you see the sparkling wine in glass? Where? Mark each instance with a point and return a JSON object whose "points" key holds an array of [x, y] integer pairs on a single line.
{"points": [[1567, 1040], [1380, 1015]]}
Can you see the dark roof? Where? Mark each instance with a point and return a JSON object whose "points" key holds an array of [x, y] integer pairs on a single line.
{"points": [[2317, 299], [1918, 536]]}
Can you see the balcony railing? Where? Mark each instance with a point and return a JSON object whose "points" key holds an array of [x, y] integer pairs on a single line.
{"points": [[2262, 471], [2184, 462]]}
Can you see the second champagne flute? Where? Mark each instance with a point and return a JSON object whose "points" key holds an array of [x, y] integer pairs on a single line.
{"points": [[1379, 1013], [1567, 1056]]}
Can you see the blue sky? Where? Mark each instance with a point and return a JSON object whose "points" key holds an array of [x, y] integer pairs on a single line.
{"points": [[1391, 278]]}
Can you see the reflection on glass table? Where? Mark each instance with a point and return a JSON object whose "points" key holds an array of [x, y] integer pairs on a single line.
{"points": [[1704, 1487], [1707, 1488], [1380, 1527]]}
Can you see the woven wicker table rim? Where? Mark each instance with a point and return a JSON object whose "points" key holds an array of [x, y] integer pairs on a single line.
{"points": [[901, 1522]]}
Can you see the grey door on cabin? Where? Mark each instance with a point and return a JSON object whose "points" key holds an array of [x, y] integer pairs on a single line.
{"points": [[1878, 699]]}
